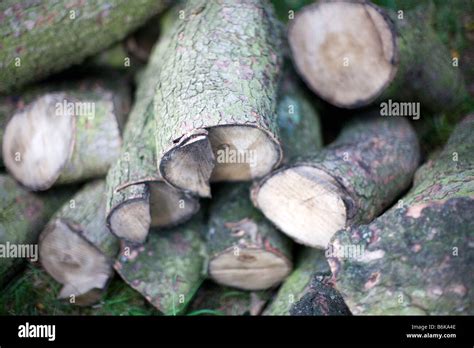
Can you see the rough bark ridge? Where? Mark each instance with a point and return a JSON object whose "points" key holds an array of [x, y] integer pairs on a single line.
{"points": [[236, 231], [212, 299], [168, 269], [22, 215], [417, 256], [83, 215], [96, 137], [220, 67], [298, 120], [308, 290], [31, 48]]}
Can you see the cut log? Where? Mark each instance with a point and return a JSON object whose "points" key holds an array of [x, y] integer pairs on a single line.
{"points": [[350, 68], [349, 182], [22, 216], [216, 97], [298, 120], [76, 247], [137, 196], [31, 48], [417, 256], [64, 136], [213, 299], [245, 250], [308, 290], [168, 269]]}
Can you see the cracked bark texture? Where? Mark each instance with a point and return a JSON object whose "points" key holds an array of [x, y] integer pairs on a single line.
{"points": [[213, 299], [373, 160], [236, 228], [84, 215], [220, 67], [22, 215], [128, 179], [96, 139], [31, 48], [308, 289], [168, 269], [418, 255]]}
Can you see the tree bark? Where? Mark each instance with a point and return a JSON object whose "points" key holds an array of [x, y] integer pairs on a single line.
{"points": [[392, 55], [218, 94], [308, 290], [212, 299], [76, 247], [298, 120], [31, 49], [22, 215], [418, 255], [168, 269], [137, 196], [246, 251], [348, 183], [78, 127]]}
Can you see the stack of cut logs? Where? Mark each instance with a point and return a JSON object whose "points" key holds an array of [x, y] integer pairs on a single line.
{"points": [[219, 112]]}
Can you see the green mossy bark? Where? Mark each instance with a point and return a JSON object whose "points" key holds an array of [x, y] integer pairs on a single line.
{"points": [[418, 255], [235, 223], [22, 216], [219, 67], [212, 299], [307, 290], [373, 160], [298, 120], [30, 33], [97, 138], [128, 178], [425, 72], [168, 269]]}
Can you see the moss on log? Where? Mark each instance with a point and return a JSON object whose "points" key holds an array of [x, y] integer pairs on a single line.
{"points": [[390, 55], [22, 216], [217, 96], [245, 250], [137, 196], [76, 247], [417, 257], [32, 49], [72, 131], [168, 269], [347, 183]]}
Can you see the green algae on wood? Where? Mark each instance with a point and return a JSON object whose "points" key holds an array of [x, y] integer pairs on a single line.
{"points": [[39, 39], [217, 94], [137, 196], [169, 268], [418, 255], [22, 216]]}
